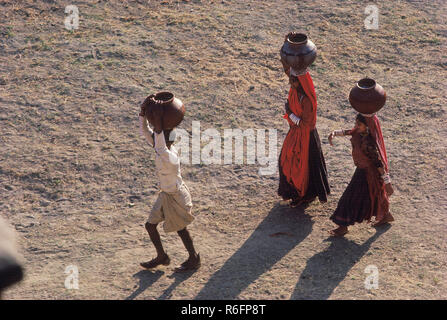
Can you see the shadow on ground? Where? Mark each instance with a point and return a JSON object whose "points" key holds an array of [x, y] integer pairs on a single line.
{"points": [[259, 252], [178, 278], [147, 278], [325, 270]]}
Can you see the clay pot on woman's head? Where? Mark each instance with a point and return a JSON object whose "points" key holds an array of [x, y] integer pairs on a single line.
{"points": [[173, 109], [367, 96], [297, 52]]}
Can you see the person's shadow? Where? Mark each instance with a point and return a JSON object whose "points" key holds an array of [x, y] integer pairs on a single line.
{"points": [[325, 270], [147, 278], [178, 278], [274, 237]]}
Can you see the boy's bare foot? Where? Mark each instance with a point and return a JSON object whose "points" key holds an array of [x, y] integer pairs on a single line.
{"points": [[164, 260], [193, 263], [388, 218], [339, 232]]}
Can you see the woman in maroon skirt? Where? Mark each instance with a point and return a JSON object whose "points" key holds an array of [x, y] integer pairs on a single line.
{"points": [[367, 193]]}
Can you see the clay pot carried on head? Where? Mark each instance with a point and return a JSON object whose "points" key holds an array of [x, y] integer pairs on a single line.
{"points": [[367, 96], [173, 109], [297, 52]]}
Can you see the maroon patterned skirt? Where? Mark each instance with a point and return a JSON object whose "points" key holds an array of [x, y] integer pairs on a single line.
{"points": [[355, 203]]}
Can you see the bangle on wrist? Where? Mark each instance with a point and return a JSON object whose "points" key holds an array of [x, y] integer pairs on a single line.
{"points": [[294, 118], [339, 133], [386, 178]]}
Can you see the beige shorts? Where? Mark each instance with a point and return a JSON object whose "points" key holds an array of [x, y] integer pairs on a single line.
{"points": [[174, 208]]}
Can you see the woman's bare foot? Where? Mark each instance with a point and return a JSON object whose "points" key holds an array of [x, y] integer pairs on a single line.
{"points": [[164, 260], [295, 203], [339, 232], [298, 202], [388, 218]]}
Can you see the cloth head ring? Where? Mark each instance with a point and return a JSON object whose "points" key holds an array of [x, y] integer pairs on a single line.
{"points": [[296, 73]]}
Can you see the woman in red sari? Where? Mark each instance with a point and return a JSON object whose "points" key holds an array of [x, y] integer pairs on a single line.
{"points": [[302, 170], [367, 193]]}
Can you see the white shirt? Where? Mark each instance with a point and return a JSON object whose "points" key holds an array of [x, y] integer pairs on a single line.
{"points": [[167, 161]]}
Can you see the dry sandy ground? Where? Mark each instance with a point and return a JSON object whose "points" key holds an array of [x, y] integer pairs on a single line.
{"points": [[77, 180]]}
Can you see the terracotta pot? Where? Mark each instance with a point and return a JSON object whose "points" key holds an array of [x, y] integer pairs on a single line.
{"points": [[367, 96], [297, 52], [173, 109]]}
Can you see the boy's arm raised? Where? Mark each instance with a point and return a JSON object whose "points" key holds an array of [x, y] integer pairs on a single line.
{"points": [[146, 131]]}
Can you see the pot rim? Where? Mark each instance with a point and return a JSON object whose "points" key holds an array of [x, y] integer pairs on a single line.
{"points": [[164, 97], [364, 87], [297, 34]]}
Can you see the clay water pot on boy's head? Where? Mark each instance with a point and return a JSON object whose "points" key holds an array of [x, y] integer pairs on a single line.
{"points": [[173, 109], [297, 52], [367, 96]]}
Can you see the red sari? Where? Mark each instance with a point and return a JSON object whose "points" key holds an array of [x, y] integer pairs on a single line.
{"points": [[379, 197], [295, 151]]}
